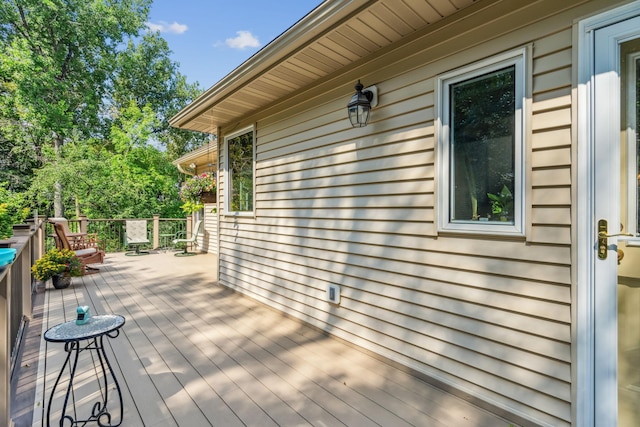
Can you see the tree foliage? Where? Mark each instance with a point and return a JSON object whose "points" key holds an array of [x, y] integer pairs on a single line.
{"points": [[85, 97], [130, 179], [12, 210], [59, 56], [145, 75]]}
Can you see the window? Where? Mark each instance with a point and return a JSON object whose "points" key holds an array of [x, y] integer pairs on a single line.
{"points": [[480, 147], [631, 89], [239, 168]]}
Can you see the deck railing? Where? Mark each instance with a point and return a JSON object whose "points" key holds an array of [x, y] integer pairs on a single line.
{"points": [[16, 288], [112, 232], [17, 285]]}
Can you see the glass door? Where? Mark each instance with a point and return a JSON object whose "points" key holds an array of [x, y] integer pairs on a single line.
{"points": [[628, 311], [616, 216]]}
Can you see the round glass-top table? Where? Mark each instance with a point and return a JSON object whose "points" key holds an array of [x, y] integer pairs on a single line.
{"points": [[98, 325], [76, 339]]}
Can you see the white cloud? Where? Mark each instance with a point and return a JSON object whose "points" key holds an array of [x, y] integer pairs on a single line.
{"points": [[244, 39], [165, 27]]}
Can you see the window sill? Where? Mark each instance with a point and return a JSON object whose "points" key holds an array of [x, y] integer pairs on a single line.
{"points": [[482, 228]]}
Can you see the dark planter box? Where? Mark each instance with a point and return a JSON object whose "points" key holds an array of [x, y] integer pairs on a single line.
{"points": [[208, 198]]}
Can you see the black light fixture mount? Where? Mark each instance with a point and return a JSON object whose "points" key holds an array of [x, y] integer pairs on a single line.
{"points": [[361, 103]]}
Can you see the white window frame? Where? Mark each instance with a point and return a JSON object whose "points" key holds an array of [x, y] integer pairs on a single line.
{"points": [[228, 177], [632, 153], [517, 58]]}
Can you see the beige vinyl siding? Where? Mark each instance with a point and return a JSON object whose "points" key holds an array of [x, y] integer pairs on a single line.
{"points": [[489, 316], [209, 240], [551, 139]]}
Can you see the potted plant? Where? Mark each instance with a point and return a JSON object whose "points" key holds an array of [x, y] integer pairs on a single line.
{"points": [[58, 265], [197, 190], [502, 203]]}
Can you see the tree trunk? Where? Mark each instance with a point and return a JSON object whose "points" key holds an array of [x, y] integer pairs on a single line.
{"points": [[58, 208]]}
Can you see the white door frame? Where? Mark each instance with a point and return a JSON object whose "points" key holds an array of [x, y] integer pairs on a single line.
{"points": [[596, 383]]}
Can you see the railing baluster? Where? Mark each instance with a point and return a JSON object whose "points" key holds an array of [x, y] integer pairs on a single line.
{"points": [[111, 231]]}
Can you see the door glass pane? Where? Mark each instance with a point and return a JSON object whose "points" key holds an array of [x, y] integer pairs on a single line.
{"points": [[634, 106], [629, 270]]}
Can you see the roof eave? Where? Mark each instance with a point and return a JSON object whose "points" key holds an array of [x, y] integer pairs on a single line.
{"points": [[192, 156], [316, 22]]}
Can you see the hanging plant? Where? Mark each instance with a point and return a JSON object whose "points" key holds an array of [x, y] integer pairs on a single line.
{"points": [[193, 189]]}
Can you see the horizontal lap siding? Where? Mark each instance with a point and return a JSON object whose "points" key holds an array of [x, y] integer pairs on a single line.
{"points": [[210, 237], [551, 140], [356, 208]]}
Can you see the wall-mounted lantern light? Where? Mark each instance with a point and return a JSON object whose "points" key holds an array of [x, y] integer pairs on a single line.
{"points": [[361, 104]]}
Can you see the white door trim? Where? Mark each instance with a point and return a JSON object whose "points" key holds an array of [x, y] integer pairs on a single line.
{"points": [[586, 371]]}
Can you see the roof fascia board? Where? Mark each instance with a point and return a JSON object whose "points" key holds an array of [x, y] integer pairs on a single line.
{"points": [[195, 154], [324, 17]]}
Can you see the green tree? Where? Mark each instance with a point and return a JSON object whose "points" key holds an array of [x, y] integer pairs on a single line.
{"points": [[18, 153], [59, 54], [86, 94], [13, 210], [129, 179], [146, 75]]}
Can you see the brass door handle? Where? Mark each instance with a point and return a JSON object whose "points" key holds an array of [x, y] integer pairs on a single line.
{"points": [[603, 244], [604, 235]]}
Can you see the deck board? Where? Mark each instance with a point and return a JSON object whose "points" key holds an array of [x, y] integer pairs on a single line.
{"points": [[193, 353]]}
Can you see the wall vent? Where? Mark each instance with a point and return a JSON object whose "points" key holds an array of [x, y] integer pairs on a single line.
{"points": [[333, 294]]}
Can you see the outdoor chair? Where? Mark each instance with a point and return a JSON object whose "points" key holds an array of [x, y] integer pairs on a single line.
{"points": [[76, 240], [197, 230], [136, 235], [90, 255]]}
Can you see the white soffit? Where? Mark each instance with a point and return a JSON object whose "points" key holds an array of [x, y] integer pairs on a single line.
{"points": [[329, 38]]}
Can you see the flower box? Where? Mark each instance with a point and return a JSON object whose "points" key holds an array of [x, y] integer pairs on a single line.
{"points": [[208, 197]]}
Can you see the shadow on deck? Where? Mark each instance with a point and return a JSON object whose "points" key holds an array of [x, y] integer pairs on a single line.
{"points": [[193, 353]]}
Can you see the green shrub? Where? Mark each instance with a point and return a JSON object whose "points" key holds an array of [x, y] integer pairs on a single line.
{"points": [[13, 210]]}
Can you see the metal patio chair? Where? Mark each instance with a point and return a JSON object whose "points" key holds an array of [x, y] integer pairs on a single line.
{"points": [[197, 231], [136, 235]]}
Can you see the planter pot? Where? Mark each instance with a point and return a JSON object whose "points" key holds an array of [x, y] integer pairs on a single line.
{"points": [[208, 197], [61, 281]]}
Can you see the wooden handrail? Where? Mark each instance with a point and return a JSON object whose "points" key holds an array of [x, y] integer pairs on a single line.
{"points": [[16, 287]]}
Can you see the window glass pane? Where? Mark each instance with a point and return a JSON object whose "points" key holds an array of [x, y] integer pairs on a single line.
{"points": [[240, 150], [636, 102], [482, 147]]}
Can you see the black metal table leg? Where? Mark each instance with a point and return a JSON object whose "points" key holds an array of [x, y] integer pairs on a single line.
{"points": [[73, 338]]}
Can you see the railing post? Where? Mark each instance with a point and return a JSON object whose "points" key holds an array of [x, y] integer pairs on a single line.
{"points": [[189, 229], [83, 223], [42, 238], [156, 231], [21, 230], [24, 230], [7, 287], [25, 286], [5, 348]]}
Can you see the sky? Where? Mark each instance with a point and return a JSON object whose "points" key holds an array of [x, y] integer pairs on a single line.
{"points": [[210, 38]]}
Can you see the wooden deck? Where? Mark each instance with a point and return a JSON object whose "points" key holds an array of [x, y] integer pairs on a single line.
{"points": [[193, 353]]}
